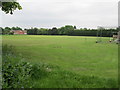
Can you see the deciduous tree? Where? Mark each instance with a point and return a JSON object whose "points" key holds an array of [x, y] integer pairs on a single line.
{"points": [[9, 7]]}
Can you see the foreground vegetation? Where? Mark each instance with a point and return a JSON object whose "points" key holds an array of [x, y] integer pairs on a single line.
{"points": [[20, 74], [59, 62]]}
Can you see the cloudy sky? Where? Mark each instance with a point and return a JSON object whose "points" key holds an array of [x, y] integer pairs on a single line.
{"points": [[57, 13]]}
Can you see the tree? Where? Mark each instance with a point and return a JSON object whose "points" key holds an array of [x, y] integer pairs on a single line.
{"points": [[16, 28], [9, 7], [1, 30], [43, 31], [75, 27], [7, 28], [68, 29], [54, 31], [32, 31]]}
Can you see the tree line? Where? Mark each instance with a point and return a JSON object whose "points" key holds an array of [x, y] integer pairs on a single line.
{"points": [[65, 30], [7, 30], [72, 31]]}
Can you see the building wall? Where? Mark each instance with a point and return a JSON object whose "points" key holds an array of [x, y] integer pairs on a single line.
{"points": [[18, 32]]}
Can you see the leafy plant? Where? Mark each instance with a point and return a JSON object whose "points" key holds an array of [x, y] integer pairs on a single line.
{"points": [[9, 7], [15, 72]]}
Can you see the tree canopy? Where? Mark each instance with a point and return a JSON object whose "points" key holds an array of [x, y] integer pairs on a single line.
{"points": [[9, 7]]}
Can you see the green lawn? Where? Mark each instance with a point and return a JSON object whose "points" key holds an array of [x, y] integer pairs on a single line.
{"points": [[75, 54]]}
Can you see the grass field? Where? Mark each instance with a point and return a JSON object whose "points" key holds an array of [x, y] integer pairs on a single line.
{"points": [[75, 54]]}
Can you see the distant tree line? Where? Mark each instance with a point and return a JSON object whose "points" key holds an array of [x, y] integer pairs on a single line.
{"points": [[72, 31], [65, 30], [7, 30], [54, 31]]}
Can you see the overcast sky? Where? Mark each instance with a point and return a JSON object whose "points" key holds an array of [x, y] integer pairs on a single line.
{"points": [[57, 13]]}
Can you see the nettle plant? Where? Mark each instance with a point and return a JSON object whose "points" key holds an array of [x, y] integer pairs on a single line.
{"points": [[16, 76], [15, 72]]}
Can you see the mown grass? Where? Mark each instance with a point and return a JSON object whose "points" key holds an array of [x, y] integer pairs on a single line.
{"points": [[70, 61]]}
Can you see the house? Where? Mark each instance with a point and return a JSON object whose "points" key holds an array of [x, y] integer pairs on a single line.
{"points": [[17, 32]]}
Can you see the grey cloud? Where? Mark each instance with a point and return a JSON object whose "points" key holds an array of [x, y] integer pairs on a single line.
{"points": [[61, 12]]}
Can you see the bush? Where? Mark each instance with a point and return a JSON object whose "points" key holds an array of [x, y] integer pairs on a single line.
{"points": [[15, 72], [16, 75]]}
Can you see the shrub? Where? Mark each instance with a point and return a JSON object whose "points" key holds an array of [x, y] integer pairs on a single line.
{"points": [[15, 72], [16, 75]]}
